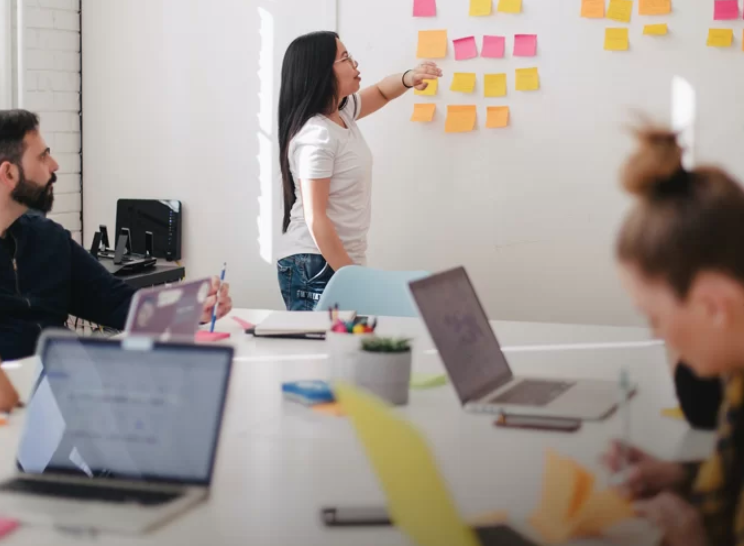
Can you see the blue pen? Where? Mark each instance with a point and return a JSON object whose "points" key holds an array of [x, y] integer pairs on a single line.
{"points": [[217, 301]]}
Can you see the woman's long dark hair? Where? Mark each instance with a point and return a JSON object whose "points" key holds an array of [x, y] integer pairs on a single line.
{"points": [[308, 88]]}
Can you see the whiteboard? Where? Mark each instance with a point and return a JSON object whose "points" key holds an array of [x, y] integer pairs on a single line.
{"points": [[532, 210]]}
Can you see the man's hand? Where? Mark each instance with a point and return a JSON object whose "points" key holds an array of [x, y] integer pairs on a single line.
{"points": [[646, 475], [676, 518], [225, 301]]}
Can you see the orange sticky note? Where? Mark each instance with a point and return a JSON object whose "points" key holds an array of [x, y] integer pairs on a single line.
{"points": [[423, 112], [497, 117], [654, 7], [333, 409], [432, 44], [460, 119], [593, 9]]}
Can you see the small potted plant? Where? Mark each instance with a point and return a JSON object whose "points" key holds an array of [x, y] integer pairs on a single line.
{"points": [[383, 367]]}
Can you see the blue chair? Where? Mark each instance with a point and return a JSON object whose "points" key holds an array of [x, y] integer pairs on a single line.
{"points": [[371, 292]]}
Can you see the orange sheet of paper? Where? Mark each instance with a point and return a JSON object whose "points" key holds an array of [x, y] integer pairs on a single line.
{"points": [[656, 30], [654, 7], [510, 6], [528, 79], [620, 10], [494, 85], [720, 37], [460, 119], [333, 409], [593, 9], [497, 117], [423, 112], [431, 89], [616, 39], [432, 44]]}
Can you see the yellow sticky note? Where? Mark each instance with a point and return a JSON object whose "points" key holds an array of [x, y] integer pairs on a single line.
{"points": [[528, 79], [478, 8], [460, 119], [720, 37], [616, 39], [510, 6], [423, 112], [417, 496], [673, 413], [620, 10], [593, 9], [463, 82], [654, 7], [497, 117], [656, 30], [494, 85], [431, 89], [432, 44]]}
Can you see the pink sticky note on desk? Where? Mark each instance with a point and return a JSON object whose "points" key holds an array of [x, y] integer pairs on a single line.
{"points": [[7, 526], [726, 10], [424, 8], [465, 48], [244, 324], [205, 337], [493, 47], [525, 45]]}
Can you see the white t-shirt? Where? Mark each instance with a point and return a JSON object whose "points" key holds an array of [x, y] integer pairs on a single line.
{"points": [[324, 149]]}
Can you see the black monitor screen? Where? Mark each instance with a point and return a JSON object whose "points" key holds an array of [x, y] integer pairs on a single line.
{"points": [[161, 217]]}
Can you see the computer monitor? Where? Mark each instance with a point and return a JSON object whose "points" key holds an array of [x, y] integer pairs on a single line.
{"points": [[161, 217]]}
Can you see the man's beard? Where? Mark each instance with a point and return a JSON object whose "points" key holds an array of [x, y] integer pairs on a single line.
{"points": [[33, 196]]}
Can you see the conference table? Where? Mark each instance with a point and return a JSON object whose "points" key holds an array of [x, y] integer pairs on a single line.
{"points": [[280, 462]]}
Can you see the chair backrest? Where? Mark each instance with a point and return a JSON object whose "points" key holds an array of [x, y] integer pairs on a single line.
{"points": [[371, 291]]}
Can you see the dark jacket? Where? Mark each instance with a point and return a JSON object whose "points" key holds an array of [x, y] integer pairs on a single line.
{"points": [[700, 399], [46, 276]]}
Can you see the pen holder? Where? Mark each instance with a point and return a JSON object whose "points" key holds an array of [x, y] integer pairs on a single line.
{"points": [[343, 350], [385, 373]]}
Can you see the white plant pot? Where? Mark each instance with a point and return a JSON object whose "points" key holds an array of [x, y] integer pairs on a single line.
{"points": [[343, 350], [386, 375]]}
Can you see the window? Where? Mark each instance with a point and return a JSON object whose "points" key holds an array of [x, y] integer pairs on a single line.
{"points": [[9, 53]]}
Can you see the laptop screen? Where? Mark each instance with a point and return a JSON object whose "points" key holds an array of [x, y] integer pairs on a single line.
{"points": [[151, 413], [459, 327]]}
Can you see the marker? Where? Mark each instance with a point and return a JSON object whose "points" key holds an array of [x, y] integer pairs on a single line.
{"points": [[217, 300]]}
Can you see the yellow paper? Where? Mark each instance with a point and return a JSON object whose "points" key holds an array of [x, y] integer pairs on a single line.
{"points": [[673, 413], [417, 497], [593, 9], [616, 39], [620, 10], [423, 112], [510, 6], [720, 37], [479, 8], [432, 44], [656, 30], [528, 79], [431, 89], [494, 85], [460, 119], [654, 7], [497, 117], [464, 82]]}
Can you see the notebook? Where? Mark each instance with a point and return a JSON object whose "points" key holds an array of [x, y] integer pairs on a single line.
{"points": [[299, 324]]}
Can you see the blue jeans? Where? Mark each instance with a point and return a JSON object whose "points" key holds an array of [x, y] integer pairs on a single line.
{"points": [[302, 279]]}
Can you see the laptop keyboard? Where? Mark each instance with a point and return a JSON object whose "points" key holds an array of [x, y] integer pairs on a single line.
{"points": [[87, 492], [533, 392]]}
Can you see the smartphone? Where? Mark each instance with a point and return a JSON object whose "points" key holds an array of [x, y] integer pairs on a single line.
{"points": [[535, 422], [355, 516]]}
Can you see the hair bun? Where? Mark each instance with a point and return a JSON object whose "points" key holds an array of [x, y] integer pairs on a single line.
{"points": [[655, 165]]}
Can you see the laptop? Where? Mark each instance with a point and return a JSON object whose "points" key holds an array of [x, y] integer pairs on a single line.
{"points": [[478, 369], [119, 435]]}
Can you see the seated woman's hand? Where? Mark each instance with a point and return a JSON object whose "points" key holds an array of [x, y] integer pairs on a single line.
{"points": [[8, 395]]}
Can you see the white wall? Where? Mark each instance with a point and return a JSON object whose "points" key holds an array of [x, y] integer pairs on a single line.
{"points": [[179, 102]]}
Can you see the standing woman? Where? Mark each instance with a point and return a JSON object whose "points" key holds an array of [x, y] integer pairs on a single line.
{"points": [[325, 162]]}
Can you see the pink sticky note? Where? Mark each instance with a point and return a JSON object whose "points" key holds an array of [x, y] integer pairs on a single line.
{"points": [[244, 324], [726, 9], [424, 8], [205, 337], [493, 47], [525, 45], [7, 526], [465, 48]]}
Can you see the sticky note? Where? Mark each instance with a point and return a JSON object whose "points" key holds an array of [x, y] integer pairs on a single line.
{"points": [[656, 30], [616, 39], [726, 10], [593, 9], [654, 7], [460, 119], [431, 89], [497, 117], [463, 82], [244, 324], [333, 409], [417, 496], [527, 79], [432, 44], [720, 37], [428, 381], [493, 47], [673, 413], [423, 112], [465, 48], [479, 8], [620, 10], [203, 336], [424, 8], [525, 45], [494, 85], [510, 6]]}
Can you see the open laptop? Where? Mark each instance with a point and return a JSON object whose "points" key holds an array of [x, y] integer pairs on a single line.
{"points": [[478, 368], [120, 435]]}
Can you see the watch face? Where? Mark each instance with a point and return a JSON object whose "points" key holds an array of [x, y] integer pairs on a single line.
{"points": [[201, 297], [146, 312]]}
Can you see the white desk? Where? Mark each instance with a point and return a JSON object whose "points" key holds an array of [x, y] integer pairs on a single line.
{"points": [[279, 463]]}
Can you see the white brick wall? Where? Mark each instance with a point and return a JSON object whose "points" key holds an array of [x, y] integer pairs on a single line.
{"points": [[52, 81]]}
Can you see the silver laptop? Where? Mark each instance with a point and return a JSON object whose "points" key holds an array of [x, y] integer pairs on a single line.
{"points": [[478, 368], [120, 435]]}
